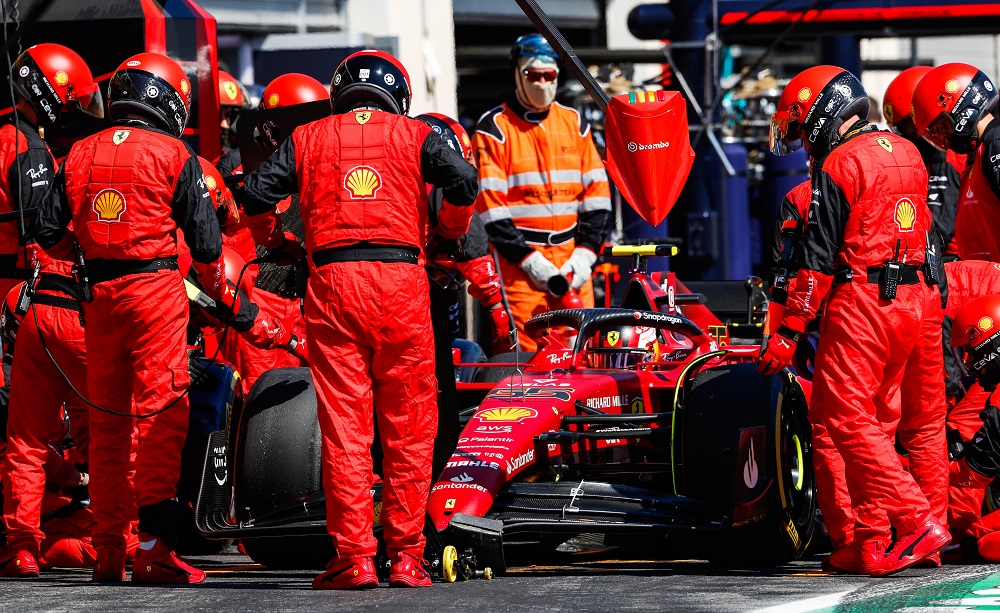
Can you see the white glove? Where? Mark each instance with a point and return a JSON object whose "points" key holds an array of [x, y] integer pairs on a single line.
{"points": [[539, 270], [579, 265]]}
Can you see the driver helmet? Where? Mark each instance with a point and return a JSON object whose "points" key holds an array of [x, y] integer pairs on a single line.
{"points": [[975, 339], [55, 81], [623, 347]]}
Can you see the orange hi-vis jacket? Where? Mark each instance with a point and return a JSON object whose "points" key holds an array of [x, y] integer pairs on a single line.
{"points": [[542, 182]]}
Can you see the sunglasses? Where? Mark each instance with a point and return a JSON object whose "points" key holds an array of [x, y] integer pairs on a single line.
{"points": [[536, 76]]}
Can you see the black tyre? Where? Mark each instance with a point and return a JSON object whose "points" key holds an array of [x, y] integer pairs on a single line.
{"points": [[291, 552], [277, 466], [721, 406], [492, 375]]}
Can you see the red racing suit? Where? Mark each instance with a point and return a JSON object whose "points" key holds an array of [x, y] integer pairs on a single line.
{"points": [[252, 361], [127, 190], [361, 181], [868, 193], [544, 189], [978, 217]]}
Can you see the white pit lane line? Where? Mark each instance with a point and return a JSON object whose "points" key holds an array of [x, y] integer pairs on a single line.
{"points": [[886, 586]]}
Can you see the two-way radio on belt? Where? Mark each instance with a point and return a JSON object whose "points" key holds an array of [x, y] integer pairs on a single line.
{"points": [[22, 230]]}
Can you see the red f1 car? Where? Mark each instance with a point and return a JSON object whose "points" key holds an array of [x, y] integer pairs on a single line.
{"points": [[684, 442]]}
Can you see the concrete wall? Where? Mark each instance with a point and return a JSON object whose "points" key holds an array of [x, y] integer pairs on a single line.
{"points": [[426, 44]]}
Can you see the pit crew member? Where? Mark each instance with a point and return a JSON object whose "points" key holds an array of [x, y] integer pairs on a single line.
{"points": [[365, 214]]}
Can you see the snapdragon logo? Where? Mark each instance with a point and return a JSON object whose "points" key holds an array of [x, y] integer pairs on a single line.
{"points": [[634, 146]]}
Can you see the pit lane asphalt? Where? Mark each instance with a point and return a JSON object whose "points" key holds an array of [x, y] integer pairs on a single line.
{"points": [[579, 582]]}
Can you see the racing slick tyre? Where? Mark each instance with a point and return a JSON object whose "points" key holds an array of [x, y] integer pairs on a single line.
{"points": [[277, 468], [747, 450], [499, 373]]}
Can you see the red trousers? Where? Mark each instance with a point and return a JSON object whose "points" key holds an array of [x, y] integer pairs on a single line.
{"points": [[251, 362], [136, 333], [965, 500], [865, 345], [37, 395], [372, 352]]}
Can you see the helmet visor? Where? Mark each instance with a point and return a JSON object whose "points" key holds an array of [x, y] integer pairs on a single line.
{"points": [[784, 134], [89, 100], [940, 132]]}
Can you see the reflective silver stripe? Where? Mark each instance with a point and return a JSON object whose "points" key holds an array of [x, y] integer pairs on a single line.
{"points": [[495, 214], [596, 204], [594, 176], [565, 176], [527, 178], [492, 184], [543, 210]]}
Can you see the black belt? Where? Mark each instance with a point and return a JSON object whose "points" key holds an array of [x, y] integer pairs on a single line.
{"points": [[100, 270], [908, 275], [366, 253], [543, 237], [48, 282], [56, 301]]}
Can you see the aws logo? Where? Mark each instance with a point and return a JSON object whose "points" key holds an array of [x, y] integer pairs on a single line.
{"points": [[109, 204], [363, 182]]}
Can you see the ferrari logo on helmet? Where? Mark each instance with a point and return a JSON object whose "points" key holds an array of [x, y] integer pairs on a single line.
{"points": [[363, 182], [906, 214], [231, 90], [362, 117], [887, 111], [62, 78], [884, 143], [109, 204], [951, 86], [613, 338], [804, 94], [119, 136], [985, 324]]}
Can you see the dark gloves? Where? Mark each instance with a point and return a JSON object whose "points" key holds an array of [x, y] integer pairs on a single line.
{"points": [[982, 453]]}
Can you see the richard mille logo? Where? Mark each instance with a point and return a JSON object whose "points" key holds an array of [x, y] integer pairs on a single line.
{"points": [[750, 471]]}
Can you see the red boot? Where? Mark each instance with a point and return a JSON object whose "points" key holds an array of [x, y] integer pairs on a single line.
{"points": [[844, 560], [912, 547], [347, 574], [110, 566], [159, 564], [19, 563], [408, 571], [871, 556]]}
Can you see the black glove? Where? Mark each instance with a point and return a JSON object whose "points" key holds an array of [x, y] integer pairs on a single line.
{"points": [[982, 453], [199, 374]]}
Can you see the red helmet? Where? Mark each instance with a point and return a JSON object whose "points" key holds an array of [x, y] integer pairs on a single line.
{"points": [[948, 104], [975, 338], [232, 93], [371, 78], [452, 132], [54, 80], [898, 103], [623, 347], [222, 197], [154, 86], [814, 105], [292, 88], [234, 266]]}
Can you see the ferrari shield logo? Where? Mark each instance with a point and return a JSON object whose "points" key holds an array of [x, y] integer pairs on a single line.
{"points": [[613, 338], [450, 503], [884, 143], [362, 117], [231, 89], [119, 136]]}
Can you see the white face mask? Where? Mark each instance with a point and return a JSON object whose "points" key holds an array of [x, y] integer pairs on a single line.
{"points": [[537, 96]]}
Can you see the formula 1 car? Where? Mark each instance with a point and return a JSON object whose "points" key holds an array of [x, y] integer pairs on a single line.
{"points": [[694, 446]]}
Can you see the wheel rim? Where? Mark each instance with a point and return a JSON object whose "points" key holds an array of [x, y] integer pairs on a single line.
{"points": [[795, 464], [449, 563], [798, 463]]}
